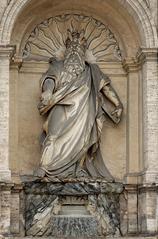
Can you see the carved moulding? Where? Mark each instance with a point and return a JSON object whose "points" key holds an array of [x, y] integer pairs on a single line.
{"points": [[48, 39]]}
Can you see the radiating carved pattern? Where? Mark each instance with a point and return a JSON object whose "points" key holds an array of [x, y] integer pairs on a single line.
{"points": [[48, 39], [147, 3], [8, 2]]}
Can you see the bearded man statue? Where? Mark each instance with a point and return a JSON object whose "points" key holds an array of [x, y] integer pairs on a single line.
{"points": [[73, 99]]}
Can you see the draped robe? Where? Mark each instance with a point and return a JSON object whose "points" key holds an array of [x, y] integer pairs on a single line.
{"points": [[74, 122]]}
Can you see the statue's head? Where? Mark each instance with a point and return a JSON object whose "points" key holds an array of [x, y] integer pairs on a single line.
{"points": [[76, 42], [75, 51]]}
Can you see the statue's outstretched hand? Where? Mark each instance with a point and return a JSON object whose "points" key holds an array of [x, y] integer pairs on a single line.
{"points": [[117, 113]]}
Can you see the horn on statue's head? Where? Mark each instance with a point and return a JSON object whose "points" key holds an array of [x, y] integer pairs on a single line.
{"points": [[82, 33], [69, 34], [75, 37]]}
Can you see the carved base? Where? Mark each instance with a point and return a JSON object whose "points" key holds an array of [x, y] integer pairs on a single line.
{"points": [[72, 209], [74, 203], [102, 237]]}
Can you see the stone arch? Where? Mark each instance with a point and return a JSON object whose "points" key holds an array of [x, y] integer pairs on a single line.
{"points": [[141, 14], [137, 9]]}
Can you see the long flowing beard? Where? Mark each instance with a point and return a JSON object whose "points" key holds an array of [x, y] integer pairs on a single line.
{"points": [[74, 63]]}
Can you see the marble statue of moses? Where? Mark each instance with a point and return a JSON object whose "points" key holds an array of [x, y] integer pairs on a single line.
{"points": [[73, 99]]}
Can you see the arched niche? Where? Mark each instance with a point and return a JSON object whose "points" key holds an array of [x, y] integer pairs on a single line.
{"points": [[109, 13], [25, 122]]}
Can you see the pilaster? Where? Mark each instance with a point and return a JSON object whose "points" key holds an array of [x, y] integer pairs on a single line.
{"points": [[6, 52], [132, 67], [132, 209], [147, 199], [5, 210], [149, 60], [13, 121], [147, 208], [142, 131]]}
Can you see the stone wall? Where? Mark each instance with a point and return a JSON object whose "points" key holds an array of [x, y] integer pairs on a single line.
{"points": [[133, 217], [134, 144]]}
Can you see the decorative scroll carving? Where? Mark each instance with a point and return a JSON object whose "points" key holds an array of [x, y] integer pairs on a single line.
{"points": [[48, 39]]}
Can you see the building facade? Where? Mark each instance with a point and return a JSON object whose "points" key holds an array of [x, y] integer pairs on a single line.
{"points": [[129, 150]]}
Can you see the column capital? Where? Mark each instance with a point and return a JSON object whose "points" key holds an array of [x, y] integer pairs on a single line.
{"points": [[131, 64], [147, 54], [16, 62], [7, 51]]}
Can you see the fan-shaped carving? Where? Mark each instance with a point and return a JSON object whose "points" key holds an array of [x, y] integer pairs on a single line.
{"points": [[48, 39]]}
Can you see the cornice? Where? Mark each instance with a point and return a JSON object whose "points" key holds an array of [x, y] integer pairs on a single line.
{"points": [[7, 51], [131, 64], [147, 54], [16, 62], [143, 55]]}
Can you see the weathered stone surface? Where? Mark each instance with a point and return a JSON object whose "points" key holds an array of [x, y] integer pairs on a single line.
{"points": [[98, 237], [72, 209], [73, 226], [134, 24], [73, 187]]}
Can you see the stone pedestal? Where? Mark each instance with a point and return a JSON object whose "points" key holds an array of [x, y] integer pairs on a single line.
{"points": [[5, 210], [72, 209], [6, 52], [78, 209]]}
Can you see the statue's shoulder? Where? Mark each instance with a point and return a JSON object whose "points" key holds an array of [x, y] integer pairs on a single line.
{"points": [[93, 65], [99, 73], [55, 65], [53, 71], [96, 68]]}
